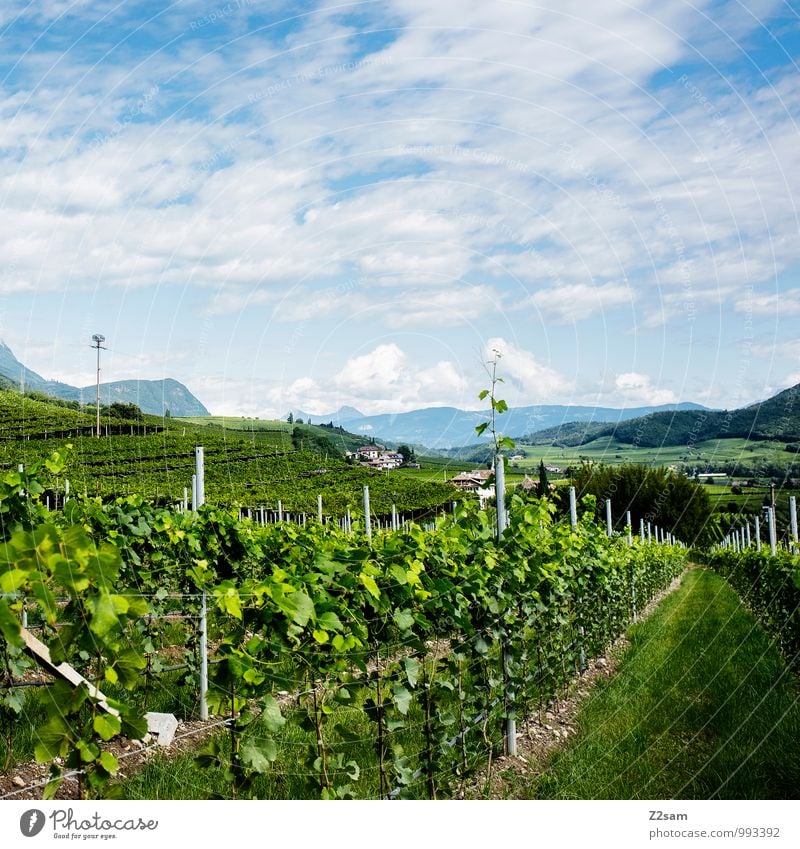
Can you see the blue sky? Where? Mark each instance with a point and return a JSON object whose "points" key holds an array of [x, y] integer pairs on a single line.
{"points": [[304, 205]]}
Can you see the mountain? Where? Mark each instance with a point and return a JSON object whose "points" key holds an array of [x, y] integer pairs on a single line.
{"points": [[446, 427], [776, 418], [341, 415], [151, 396]]}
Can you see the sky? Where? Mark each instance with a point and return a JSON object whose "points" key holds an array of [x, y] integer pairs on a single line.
{"points": [[300, 205]]}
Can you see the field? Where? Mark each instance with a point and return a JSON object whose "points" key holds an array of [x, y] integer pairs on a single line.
{"points": [[606, 449]]}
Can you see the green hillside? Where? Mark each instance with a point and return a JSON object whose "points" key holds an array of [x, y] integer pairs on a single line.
{"points": [[251, 466], [777, 418]]}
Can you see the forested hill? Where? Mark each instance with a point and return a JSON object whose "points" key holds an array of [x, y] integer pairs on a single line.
{"points": [[776, 418]]}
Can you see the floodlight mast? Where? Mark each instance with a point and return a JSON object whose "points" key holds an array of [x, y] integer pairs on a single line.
{"points": [[97, 338]]}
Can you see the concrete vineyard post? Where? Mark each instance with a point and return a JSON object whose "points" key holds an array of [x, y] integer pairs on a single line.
{"points": [[500, 508], [199, 481], [573, 523], [649, 533], [773, 536], [793, 518], [747, 528], [394, 517], [573, 509], [201, 475], [758, 533], [319, 509], [280, 510], [641, 530], [629, 527], [367, 516], [194, 492], [609, 528]]}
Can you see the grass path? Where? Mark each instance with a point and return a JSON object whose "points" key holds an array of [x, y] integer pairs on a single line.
{"points": [[702, 707]]}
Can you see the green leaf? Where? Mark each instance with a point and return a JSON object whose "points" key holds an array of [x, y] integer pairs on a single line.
{"points": [[12, 580], [9, 625], [412, 667], [107, 725], [103, 612], [404, 619], [483, 394], [402, 698], [297, 606], [329, 621], [259, 754], [369, 585], [271, 714], [479, 429], [109, 763]]}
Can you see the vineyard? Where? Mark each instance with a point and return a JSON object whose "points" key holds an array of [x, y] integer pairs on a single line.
{"points": [[154, 458], [339, 664]]}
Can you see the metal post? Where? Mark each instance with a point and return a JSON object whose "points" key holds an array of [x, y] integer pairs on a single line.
{"points": [[609, 528], [97, 338], [758, 533], [773, 535], [200, 471], [319, 509], [203, 659], [573, 508], [367, 515], [500, 493], [500, 503]]}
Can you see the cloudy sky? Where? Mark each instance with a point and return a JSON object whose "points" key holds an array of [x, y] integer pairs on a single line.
{"points": [[300, 204]]}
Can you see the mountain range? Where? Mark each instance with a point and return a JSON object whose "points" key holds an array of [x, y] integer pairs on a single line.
{"points": [[151, 396], [449, 427]]}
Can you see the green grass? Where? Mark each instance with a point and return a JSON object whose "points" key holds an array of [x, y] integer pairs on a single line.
{"points": [[703, 706], [605, 449]]}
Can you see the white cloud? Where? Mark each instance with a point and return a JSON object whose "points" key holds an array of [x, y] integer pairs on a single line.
{"points": [[635, 389], [775, 303], [579, 301], [534, 381]]}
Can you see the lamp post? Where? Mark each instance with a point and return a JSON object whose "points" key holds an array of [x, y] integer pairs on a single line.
{"points": [[97, 338]]}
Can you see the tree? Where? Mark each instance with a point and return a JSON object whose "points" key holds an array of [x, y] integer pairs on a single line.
{"points": [[543, 487], [290, 418], [657, 495], [408, 453], [119, 410]]}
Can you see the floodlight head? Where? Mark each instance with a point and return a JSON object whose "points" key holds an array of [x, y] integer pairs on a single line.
{"points": [[98, 337]]}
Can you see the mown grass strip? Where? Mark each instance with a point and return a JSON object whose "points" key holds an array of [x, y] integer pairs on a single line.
{"points": [[703, 707]]}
